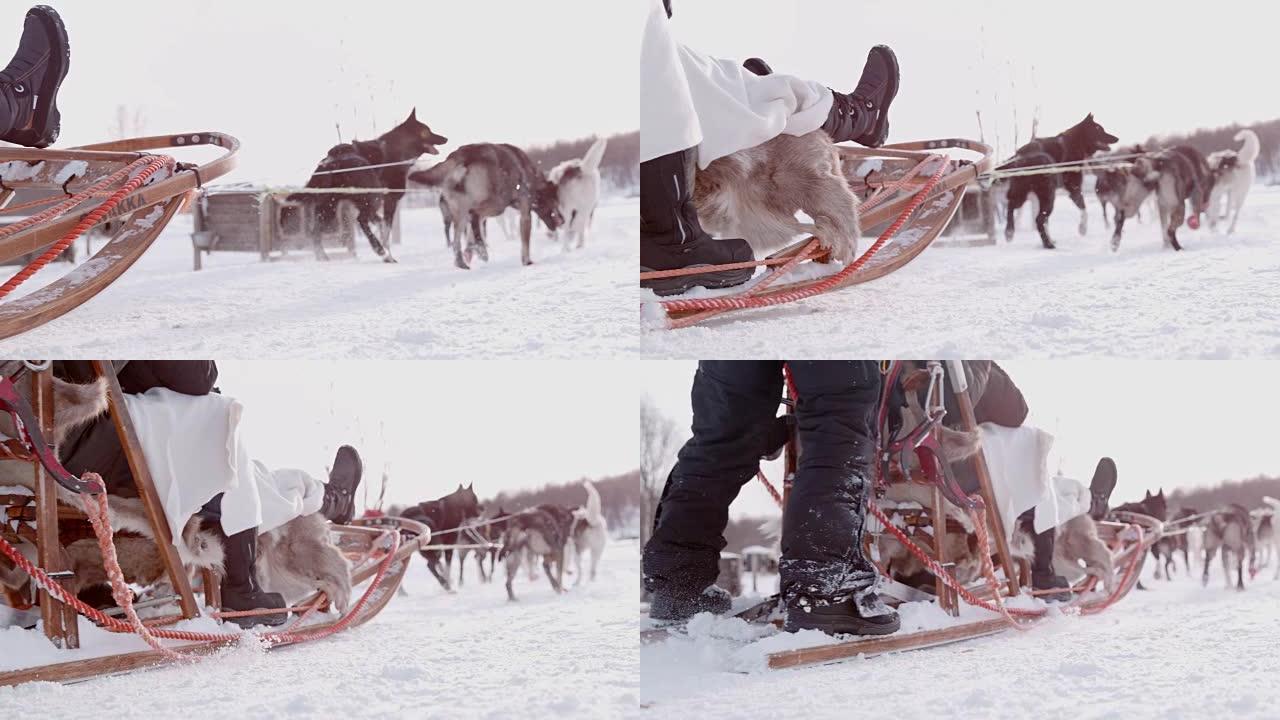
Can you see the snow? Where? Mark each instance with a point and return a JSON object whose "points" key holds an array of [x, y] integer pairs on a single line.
{"points": [[1178, 650], [428, 654], [567, 304], [1219, 298]]}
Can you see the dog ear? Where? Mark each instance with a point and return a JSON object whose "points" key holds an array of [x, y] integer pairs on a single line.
{"points": [[1089, 118], [413, 114]]}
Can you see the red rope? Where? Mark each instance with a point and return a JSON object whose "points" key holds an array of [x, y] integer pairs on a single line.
{"points": [[149, 166]]}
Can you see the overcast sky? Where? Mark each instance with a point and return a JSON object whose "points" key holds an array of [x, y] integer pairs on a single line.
{"points": [[1143, 68], [280, 74], [1167, 423], [432, 425]]}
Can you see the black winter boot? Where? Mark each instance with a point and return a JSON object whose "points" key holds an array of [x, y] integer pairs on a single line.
{"points": [[670, 236], [1042, 575], [1104, 481], [340, 492], [863, 115], [29, 84], [865, 615], [676, 606], [240, 589]]}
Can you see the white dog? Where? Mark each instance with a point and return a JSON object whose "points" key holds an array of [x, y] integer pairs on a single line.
{"points": [[579, 183], [1234, 174], [590, 532]]}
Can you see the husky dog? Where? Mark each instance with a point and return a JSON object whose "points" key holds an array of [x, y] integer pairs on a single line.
{"points": [[483, 530], [1167, 546], [1077, 143], [590, 532], [1234, 174], [350, 165], [535, 532], [755, 193], [481, 181], [578, 185], [296, 559], [1177, 176], [1231, 529], [1109, 184], [1265, 532], [445, 516]]}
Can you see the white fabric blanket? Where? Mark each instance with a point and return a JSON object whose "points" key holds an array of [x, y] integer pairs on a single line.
{"points": [[193, 448], [688, 99], [1018, 461]]}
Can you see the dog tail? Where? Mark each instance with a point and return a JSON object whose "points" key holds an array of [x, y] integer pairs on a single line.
{"points": [[439, 174], [1252, 146], [594, 512], [591, 161]]}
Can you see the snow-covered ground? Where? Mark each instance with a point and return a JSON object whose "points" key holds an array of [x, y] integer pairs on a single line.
{"points": [[428, 654], [1219, 298], [1175, 651], [576, 304]]}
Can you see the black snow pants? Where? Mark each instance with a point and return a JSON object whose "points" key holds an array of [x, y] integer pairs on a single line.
{"points": [[734, 405]]}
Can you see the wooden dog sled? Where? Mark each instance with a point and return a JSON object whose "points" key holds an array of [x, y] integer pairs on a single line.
{"points": [[121, 181], [1129, 537], [379, 551], [909, 193]]}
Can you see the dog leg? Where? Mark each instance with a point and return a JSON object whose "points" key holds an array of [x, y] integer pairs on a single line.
{"points": [[1119, 228], [513, 560], [1046, 198], [479, 229], [596, 552], [526, 227], [1013, 202]]}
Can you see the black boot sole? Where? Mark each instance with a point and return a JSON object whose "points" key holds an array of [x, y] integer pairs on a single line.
{"points": [[880, 132], [842, 625], [47, 123], [1104, 477], [681, 284]]}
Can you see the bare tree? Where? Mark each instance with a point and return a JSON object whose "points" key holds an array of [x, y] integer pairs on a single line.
{"points": [[657, 450], [129, 123]]}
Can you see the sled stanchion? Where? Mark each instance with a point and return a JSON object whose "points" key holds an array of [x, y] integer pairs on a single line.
{"points": [[60, 624], [146, 488]]}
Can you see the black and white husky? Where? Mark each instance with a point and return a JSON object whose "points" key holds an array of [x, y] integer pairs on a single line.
{"points": [[590, 532], [1234, 174], [481, 181], [536, 533], [578, 184], [1177, 176]]}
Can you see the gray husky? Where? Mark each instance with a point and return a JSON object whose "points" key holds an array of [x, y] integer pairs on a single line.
{"points": [[535, 532], [1177, 176], [481, 181], [1231, 529]]}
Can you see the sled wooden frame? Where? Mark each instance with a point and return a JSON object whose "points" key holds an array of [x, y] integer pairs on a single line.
{"points": [[871, 646], [60, 621], [358, 537], [140, 225], [870, 169]]}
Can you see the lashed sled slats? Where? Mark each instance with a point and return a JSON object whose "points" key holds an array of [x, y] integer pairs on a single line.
{"points": [[870, 646], [147, 209]]}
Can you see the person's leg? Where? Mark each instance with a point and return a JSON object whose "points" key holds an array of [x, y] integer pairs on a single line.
{"points": [[671, 237], [1043, 576], [240, 590], [862, 115], [827, 581], [734, 404], [29, 83]]}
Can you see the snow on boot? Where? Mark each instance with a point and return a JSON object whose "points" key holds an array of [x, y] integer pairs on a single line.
{"points": [[678, 606], [29, 84], [240, 589], [671, 237], [340, 492], [865, 615], [863, 115], [1104, 481]]}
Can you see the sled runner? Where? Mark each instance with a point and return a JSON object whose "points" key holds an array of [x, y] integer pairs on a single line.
{"points": [[378, 549], [924, 537], [909, 192], [81, 188]]}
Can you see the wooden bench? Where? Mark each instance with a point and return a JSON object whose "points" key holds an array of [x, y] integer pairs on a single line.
{"points": [[246, 218]]}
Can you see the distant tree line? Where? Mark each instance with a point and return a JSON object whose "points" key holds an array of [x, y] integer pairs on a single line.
{"points": [[1248, 493], [1208, 140]]}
